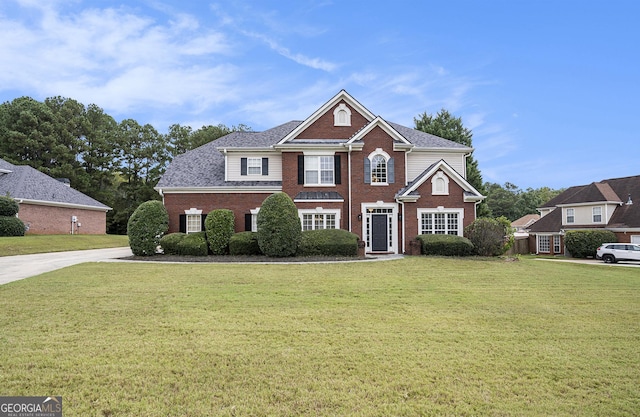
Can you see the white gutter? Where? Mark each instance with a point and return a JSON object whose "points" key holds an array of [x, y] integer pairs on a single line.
{"points": [[59, 204], [349, 205]]}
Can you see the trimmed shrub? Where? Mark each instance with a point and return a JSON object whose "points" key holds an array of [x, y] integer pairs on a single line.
{"points": [[445, 245], [193, 244], [169, 243], [244, 243], [146, 226], [490, 237], [279, 229], [328, 242], [11, 226], [8, 206], [219, 225], [584, 243]]}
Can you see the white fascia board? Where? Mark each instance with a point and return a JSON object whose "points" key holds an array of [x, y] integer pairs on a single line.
{"points": [[58, 204], [342, 95], [379, 122], [453, 174], [255, 189], [440, 150], [590, 203], [623, 229]]}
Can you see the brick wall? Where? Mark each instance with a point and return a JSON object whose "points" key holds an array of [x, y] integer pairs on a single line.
{"points": [[324, 128], [240, 204], [48, 220]]}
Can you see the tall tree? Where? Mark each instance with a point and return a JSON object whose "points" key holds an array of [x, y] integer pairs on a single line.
{"points": [[445, 125]]}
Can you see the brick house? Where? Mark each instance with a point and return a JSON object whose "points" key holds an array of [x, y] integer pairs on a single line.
{"points": [[605, 205], [49, 206], [342, 166]]}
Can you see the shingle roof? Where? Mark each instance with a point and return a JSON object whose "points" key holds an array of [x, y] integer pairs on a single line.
{"points": [[25, 182], [204, 166], [617, 190], [318, 195]]}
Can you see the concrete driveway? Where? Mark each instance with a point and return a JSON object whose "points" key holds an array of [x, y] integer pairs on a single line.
{"points": [[13, 268]]}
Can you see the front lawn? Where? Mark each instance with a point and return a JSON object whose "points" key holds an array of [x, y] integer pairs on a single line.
{"points": [[29, 244], [420, 336]]}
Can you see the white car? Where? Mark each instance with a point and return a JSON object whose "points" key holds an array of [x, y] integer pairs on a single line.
{"points": [[614, 252]]}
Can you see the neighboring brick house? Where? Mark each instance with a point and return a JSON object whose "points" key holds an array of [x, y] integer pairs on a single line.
{"points": [[49, 206], [606, 205], [342, 166]]}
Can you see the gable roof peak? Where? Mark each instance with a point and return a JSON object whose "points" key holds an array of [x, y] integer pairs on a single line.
{"points": [[341, 96]]}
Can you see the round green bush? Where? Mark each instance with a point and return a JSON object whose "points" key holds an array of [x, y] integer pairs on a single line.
{"points": [[8, 206], [193, 244], [219, 225], [445, 245], [244, 243], [11, 226], [490, 237], [328, 242], [169, 243], [146, 226], [279, 228]]}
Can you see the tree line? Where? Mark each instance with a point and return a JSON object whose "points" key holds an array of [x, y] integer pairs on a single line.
{"points": [[116, 163], [119, 163]]}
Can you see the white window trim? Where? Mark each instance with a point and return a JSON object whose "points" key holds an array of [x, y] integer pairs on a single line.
{"points": [[573, 216], [594, 214], [319, 210], [254, 219], [538, 243], [319, 170], [387, 157], [441, 209], [257, 163], [192, 213], [336, 115], [434, 181]]}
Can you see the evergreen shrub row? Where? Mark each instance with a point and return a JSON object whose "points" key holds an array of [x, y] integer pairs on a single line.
{"points": [[446, 245], [328, 242], [584, 243]]}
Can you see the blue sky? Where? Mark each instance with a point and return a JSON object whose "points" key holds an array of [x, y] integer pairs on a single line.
{"points": [[549, 88]]}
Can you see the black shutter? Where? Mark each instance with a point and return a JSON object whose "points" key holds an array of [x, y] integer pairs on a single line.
{"points": [[265, 166], [243, 166], [247, 222], [300, 169], [336, 169], [203, 217], [183, 223], [367, 171], [391, 175]]}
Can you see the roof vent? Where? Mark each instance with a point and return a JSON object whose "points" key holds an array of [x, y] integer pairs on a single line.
{"points": [[65, 181], [629, 201]]}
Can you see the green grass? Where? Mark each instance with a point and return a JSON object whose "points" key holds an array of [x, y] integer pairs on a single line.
{"points": [[419, 336], [25, 245]]}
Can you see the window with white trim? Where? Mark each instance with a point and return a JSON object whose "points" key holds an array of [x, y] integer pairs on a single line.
{"points": [[556, 244], [597, 214], [571, 215], [254, 166], [194, 223], [439, 222], [318, 170], [319, 219], [378, 169], [544, 242]]}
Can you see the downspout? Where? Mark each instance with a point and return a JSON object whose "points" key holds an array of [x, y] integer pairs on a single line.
{"points": [[226, 175], [406, 181], [349, 205], [404, 243]]}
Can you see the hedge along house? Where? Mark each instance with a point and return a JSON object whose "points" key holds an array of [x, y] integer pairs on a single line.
{"points": [[343, 167], [49, 206]]}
